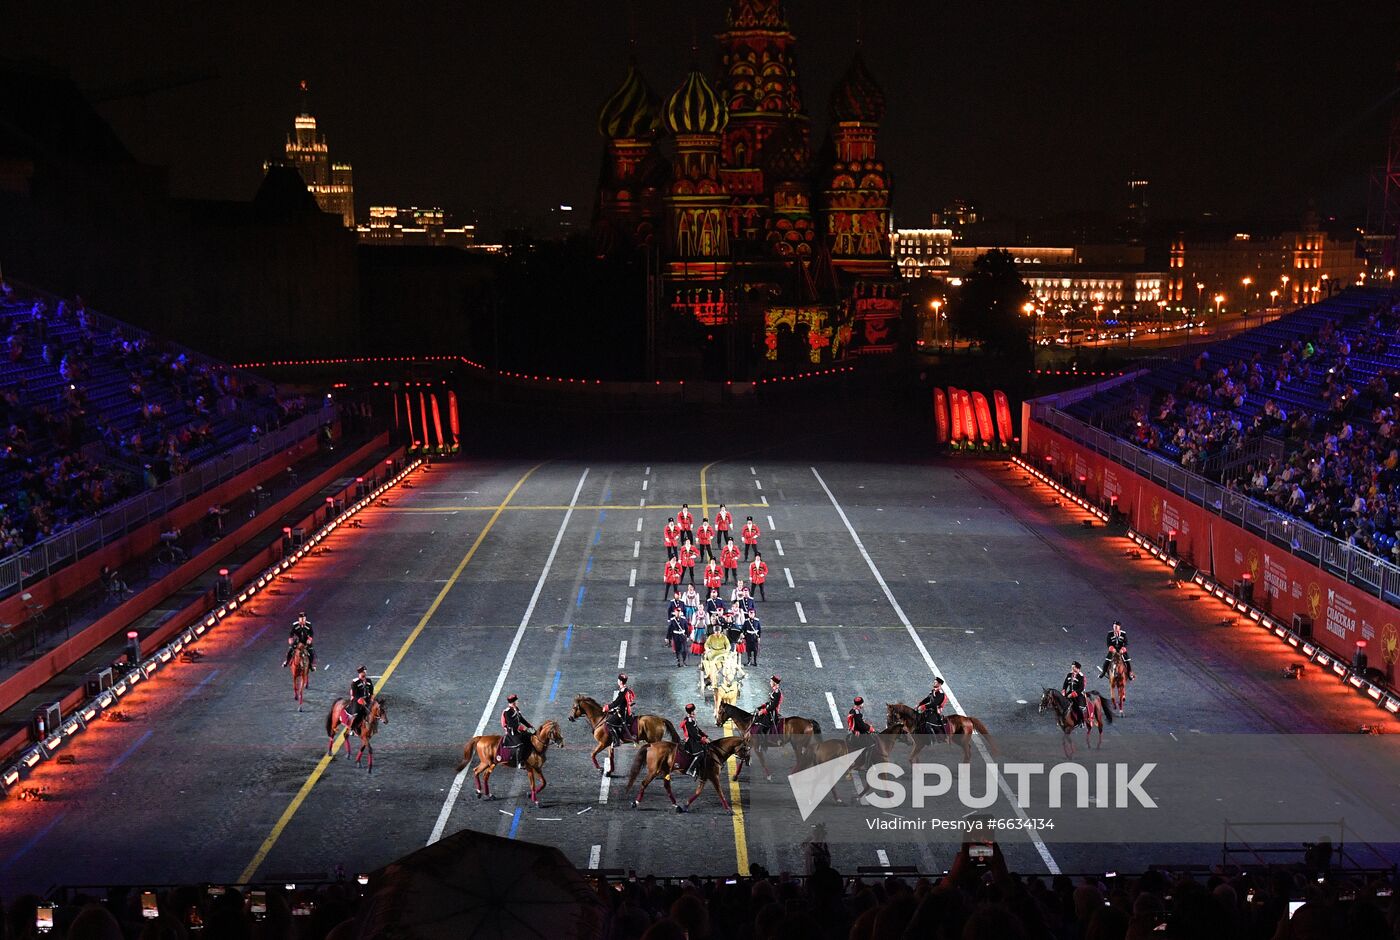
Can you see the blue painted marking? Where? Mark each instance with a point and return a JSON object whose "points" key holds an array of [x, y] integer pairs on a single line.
{"points": [[607, 494], [554, 689], [568, 636], [579, 602], [514, 823], [249, 642], [588, 567], [202, 683], [129, 751], [597, 536], [34, 840], [602, 514]]}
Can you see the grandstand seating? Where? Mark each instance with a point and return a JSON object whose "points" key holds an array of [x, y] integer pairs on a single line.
{"points": [[93, 410], [1300, 413]]}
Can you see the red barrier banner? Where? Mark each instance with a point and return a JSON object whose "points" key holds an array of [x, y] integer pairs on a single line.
{"points": [[984, 418], [940, 414], [397, 420], [1005, 430], [423, 418], [408, 414], [452, 418], [1285, 584], [437, 421], [955, 409], [969, 422]]}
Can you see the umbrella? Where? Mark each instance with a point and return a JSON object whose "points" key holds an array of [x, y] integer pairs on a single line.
{"points": [[477, 885]]}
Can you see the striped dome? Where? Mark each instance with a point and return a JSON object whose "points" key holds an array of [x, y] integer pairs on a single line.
{"points": [[857, 97], [694, 108], [631, 111]]}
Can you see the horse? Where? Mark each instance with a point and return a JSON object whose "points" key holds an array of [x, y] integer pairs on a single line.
{"points": [[660, 761], [1118, 679], [485, 748], [800, 732], [650, 729], [727, 686], [301, 672], [339, 718], [1096, 712], [959, 727], [832, 748]]}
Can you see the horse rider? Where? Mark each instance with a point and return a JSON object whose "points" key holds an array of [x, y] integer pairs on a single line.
{"points": [[619, 712], [855, 719], [723, 523], [686, 520], [753, 632], [758, 574], [1073, 688], [749, 534], [769, 717], [301, 632], [515, 726], [931, 720], [729, 560], [703, 537], [1117, 643], [678, 636], [361, 697], [693, 741], [671, 535]]}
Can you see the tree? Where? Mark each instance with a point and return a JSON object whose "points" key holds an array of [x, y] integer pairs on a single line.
{"points": [[990, 307]]}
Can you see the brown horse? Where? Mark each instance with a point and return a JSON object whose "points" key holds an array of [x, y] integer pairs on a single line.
{"points": [[878, 744], [960, 728], [801, 733], [1118, 679], [301, 672], [339, 718], [650, 729], [660, 761], [1096, 713], [488, 746]]}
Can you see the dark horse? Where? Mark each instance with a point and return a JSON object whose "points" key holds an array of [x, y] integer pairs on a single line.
{"points": [[879, 745], [1096, 713], [301, 672], [650, 729], [338, 717], [660, 761], [801, 733], [487, 748], [959, 727]]}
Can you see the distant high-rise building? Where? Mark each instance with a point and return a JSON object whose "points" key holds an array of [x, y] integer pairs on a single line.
{"points": [[1135, 229], [332, 183], [957, 216], [393, 225]]}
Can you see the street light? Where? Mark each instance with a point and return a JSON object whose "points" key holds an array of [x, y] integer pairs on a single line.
{"points": [[936, 306], [1219, 299], [1246, 281], [1273, 298]]}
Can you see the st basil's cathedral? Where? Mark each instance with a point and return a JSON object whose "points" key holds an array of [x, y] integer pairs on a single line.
{"points": [[748, 233]]}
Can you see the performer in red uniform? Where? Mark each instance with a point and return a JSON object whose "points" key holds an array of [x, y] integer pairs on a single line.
{"points": [[671, 535], [688, 558], [672, 576], [723, 522], [729, 560], [855, 718], [703, 537], [714, 574], [758, 573], [687, 522], [750, 535]]}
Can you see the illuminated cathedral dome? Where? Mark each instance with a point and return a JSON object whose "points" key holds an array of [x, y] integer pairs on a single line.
{"points": [[857, 97], [694, 108], [631, 111]]}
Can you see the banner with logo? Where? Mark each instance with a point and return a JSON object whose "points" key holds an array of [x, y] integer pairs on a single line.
{"points": [[984, 418], [955, 409], [437, 420], [1005, 430], [940, 414], [969, 422], [453, 420]]}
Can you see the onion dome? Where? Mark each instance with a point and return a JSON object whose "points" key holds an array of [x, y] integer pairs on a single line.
{"points": [[694, 108], [857, 97], [631, 111], [785, 155], [756, 14]]}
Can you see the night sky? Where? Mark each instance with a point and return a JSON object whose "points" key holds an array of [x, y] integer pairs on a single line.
{"points": [[1242, 109]]}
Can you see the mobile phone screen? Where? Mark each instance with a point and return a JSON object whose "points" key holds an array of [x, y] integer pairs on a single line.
{"points": [[257, 903], [43, 918], [149, 908]]}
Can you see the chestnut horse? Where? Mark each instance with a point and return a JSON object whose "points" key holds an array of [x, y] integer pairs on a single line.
{"points": [[1118, 679], [878, 744], [1096, 713], [650, 729], [660, 761], [959, 727], [486, 747], [339, 718], [301, 672], [801, 733]]}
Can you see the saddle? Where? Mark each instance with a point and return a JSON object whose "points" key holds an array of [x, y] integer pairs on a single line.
{"points": [[508, 753], [766, 725]]}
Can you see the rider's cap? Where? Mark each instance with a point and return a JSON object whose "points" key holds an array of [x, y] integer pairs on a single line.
{"points": [[1118, 623], [671, 519], [750, 518], [690, 706], [1076, 665], [937, 680], [859, 700], [512, 697], [622, 677], [361, 669], [777, 679]]}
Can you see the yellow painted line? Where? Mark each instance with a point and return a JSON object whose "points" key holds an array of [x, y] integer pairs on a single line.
{"points": [[741, 839], [655, 508], [326, 759]]}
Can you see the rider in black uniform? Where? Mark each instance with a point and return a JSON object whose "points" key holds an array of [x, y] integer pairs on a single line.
{"points": [[753, 632], [1117, 641], [768, 715], [1074, 690], [361, 695], [931, 709], [855, 719], [515, 726], [301, 632], [619, 712], [693, 742]]}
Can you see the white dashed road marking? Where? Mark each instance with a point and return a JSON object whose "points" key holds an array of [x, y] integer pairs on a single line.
{"points": [[800, 615], [816, 659]]}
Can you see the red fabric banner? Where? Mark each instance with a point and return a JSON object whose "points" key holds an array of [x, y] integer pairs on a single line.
{"points": [[1005, 430], [969, 422], [423, 417], [397, 420], [955, 409], [408, 417], [984, 418], [452, 419], [437, 421], [940, 414]]}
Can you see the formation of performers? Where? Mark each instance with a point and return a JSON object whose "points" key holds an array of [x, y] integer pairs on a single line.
{"points": [[686, 545], [692, 625]]}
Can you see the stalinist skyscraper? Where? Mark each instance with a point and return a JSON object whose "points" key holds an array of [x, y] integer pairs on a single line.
{"points": [[331, 183]]}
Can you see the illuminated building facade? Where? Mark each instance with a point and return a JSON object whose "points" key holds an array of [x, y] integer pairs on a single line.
{"points": [[922, 252], [331, 182], [392, 225], [1302, 266], [745, 228]]}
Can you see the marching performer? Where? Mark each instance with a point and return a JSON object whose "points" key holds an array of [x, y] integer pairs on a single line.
{"points": [[671, 536], [753, 632], [672, 578], [729, 559], [713, 574], [688, 558], [714, 607], [686, 521], [703, 537], [678, 636], [758, 573], [749, 533], [723, 522]]}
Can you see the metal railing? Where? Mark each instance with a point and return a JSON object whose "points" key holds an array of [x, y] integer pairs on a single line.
{"points": [[1353, 564], [38, 561]]}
